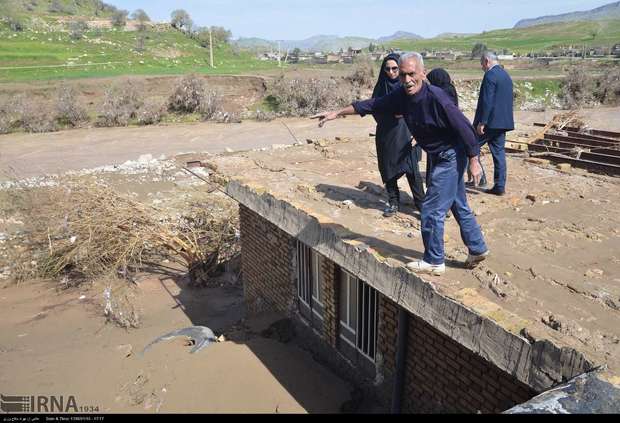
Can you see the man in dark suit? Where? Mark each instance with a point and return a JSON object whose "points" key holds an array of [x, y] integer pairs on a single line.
{"points": [[494, 117]]}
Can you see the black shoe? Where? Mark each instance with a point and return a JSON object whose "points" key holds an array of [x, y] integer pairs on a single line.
{"points": [[495, 191], [390, 210]]}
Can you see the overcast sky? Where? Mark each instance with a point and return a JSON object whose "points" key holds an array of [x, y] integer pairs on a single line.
{"points": [[299, 19]]}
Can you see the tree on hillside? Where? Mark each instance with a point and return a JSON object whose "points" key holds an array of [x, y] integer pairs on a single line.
{"points": [[140, 16], [478, 50], [296, 52], [371, 48], [119, 18], [180, 19], [101, 7], [220, 36], [77, 29]]}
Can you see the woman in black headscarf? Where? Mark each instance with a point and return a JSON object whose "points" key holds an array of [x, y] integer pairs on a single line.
{"points": [[396, 155], [441, 78]]}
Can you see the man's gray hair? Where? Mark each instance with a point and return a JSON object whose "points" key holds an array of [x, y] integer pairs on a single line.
{"points": [[489, 56], [412, 56]]}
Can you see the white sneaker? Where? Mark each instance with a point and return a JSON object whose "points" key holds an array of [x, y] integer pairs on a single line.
{"points": [[473, 260], [424, 267]]}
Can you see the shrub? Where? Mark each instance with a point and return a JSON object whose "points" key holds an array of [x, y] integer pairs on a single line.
{"points": [[119, 18], [297, 97], [35, 116], [607, 89], [577, 88], [15, 24], [68, 111], [120, 104], [581, 88], [210, 105], [188, 94], [77, 30], [9, 119], [363, 75], [151, 112]]}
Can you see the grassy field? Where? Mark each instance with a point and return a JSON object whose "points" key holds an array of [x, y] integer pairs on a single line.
{"points": [[525, 40], [39, 55]]}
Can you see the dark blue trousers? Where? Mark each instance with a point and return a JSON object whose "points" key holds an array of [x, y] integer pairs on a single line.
{"points": [[446, 191], [497, 144]]}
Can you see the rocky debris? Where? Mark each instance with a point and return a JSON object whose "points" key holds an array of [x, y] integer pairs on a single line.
{"points": [[125, 350], [564, 167], [534, 160], [552, 323], [594, 273], [491, 280]]}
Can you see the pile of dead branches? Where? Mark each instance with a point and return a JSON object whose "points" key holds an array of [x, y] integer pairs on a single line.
{"points": [[569, 119], [80, 231]]}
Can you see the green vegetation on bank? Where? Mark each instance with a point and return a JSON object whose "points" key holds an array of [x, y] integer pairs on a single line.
{"points": [[40, 54], [526, 40]]}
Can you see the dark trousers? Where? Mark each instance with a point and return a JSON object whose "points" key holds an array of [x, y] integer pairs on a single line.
{"points": [[447, 192], [415, 183], [497, 144]]}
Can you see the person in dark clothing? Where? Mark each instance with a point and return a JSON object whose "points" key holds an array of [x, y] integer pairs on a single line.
{"points": [[494, 117], [439, 77], [395, 154], [449, 139]]}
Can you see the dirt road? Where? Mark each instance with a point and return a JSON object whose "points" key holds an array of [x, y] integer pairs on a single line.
{"points": [[27, 155]]}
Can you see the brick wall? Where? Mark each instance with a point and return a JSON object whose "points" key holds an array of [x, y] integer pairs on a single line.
{"points": [[443, 376], [387, 337], [266, 264], [331, 292]]}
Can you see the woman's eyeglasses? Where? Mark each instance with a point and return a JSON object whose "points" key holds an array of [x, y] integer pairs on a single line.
{"points": [[391, 69]]}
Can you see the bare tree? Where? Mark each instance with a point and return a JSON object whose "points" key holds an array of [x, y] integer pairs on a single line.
{"points": [[140, 16], [181, 20], [119, 18], [478, 50], [77, 29]]}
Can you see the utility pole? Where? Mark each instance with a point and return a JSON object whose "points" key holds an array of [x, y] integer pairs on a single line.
{"points": [[211, 46], [279, 59]]}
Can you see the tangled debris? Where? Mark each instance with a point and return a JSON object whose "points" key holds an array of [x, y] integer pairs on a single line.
{"points": [[82, 229]]}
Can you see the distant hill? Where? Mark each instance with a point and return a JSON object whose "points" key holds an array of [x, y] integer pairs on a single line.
{"points": [[321, 42], [400, 35], [315, 43], [253, 43], [609, 11], [525, 40]]}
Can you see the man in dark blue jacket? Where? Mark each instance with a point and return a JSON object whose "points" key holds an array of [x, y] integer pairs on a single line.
{"points": [[494, 117]]}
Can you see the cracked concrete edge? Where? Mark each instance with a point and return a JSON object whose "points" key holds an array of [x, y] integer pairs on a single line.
{"points": [[539, 363], [589, 393]]}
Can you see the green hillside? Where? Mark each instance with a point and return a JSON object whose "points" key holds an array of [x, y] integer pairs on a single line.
{"points": [[56, 8], [525, 40], [42, 54]]}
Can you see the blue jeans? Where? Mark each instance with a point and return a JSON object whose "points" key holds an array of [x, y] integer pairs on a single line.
{"points": [[447, 192], [497, 143]]}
